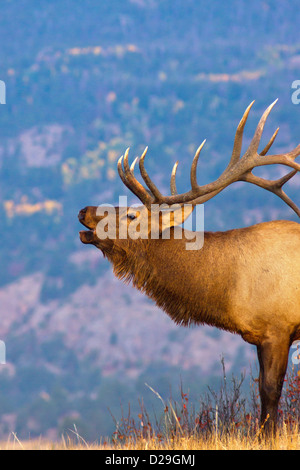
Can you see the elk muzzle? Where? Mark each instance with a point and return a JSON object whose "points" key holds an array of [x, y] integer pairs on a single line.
{"points": [[88, 217]]}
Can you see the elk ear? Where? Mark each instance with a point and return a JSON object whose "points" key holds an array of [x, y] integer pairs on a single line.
{"points": [[174, 215]]}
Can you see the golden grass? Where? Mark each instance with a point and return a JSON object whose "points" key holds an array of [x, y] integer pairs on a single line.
{"points": [[284, 440], [223, 422]]}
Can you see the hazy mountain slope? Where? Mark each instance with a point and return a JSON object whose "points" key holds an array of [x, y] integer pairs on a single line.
{"points": [[84, 81]]}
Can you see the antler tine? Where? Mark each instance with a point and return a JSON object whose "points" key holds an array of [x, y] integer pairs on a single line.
{"points": [[131, 182], [288, 201], [126, 164], [270, 143], [279, 184], [173, 180], [286, 178], [154, 190], [133, 165], [194, 183], [121, 172], [238, 140], [291, 156], [253, 147], [275, 187]]}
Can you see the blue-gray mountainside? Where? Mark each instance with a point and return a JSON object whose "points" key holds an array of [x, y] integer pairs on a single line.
{"points": [[85, 80]]}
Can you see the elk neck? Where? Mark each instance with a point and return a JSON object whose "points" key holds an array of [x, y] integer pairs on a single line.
{"points": [[190, 286]]}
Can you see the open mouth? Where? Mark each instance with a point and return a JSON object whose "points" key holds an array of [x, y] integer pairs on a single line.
{"points": [[86, 236]]}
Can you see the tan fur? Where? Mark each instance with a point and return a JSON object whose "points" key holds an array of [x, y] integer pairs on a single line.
{"points": [[246, 281]]}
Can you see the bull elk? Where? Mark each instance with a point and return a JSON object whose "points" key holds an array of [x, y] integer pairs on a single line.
{"points": [[246, 281]]}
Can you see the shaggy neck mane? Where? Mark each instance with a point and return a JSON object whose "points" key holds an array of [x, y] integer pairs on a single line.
{"points": [[130, 264]]}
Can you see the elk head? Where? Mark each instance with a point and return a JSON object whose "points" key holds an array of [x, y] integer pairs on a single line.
{"points": [[109, 226]]}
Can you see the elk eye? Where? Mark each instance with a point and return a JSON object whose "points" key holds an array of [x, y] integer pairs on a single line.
{"points": [[131, 216]]}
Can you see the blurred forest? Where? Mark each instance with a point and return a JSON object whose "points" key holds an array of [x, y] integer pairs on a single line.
{"points": [[85, 80]]}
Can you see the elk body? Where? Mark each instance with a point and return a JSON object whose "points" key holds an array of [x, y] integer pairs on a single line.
{"points": [[246, 281]]}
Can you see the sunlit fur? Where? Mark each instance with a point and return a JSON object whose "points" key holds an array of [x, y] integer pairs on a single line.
{"points": [[246, 281]]}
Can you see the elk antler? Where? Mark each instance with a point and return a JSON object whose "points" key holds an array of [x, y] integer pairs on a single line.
{"points": [[238, 169]]}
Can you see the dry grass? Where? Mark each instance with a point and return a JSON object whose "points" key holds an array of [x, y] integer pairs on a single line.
{"points": [[284, 440], [224, 420]]}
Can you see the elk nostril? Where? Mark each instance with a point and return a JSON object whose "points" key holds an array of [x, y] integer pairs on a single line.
{"points": [[82, 213]]}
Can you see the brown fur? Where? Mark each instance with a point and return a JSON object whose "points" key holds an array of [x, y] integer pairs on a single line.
{"points": [[246, 281]]}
